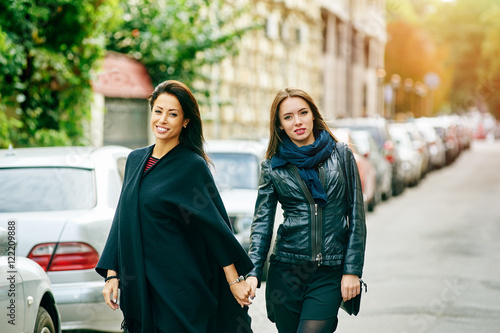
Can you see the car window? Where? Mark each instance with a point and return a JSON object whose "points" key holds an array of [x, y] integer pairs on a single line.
{"points": [[361, 142], [374, 131], [235, 170], [46, 189]]}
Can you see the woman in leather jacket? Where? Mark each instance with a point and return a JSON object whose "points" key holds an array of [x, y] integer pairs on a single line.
{"points": [[318, 254]]}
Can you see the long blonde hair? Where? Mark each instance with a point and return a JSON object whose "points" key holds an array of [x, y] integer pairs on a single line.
{"points": [[274, 135]]}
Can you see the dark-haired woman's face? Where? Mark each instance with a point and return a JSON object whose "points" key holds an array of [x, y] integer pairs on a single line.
{"points": [[167, 118], [297, 120]]}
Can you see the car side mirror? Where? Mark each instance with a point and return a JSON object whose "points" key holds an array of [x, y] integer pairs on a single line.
{"points": [[5, 242]]}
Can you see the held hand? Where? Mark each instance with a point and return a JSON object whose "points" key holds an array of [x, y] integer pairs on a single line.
{"points": [[253, 282], [111, 290], [241, 292], [349, 286]]}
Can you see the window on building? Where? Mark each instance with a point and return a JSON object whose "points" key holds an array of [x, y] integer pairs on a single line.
{"points": [[272, 27]]}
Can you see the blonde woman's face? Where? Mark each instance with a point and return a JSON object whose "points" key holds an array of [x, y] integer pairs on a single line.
{"points": [[297, 120]]}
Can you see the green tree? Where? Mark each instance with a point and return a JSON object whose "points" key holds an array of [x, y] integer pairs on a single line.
{"points": [[472, 31], [175, 39], [47, 52]]}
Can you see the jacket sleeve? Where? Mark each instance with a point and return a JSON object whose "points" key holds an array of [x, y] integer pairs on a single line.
{"points": [[263, 221], [355, 253]]}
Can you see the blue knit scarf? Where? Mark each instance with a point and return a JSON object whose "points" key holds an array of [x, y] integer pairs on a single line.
{"points": [[307, 158]]}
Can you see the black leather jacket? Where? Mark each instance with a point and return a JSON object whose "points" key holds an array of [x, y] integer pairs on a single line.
{"points": [[309, 232]]}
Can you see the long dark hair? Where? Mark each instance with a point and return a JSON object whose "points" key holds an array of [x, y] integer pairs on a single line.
{"points": [[274, 135], [192, 135]]}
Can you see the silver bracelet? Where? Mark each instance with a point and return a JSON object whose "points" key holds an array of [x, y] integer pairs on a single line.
{"points": [[241, 278]]}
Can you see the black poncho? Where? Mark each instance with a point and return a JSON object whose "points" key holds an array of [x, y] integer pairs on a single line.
{"points": [[169, 240]]}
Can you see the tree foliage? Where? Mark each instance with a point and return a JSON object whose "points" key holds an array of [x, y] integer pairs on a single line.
{"points": [[412, 53], [472, 29], [175, 39], [47, 52], [466, 35]]}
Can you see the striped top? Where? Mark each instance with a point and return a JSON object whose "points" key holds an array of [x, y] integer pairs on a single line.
{"points": [[152, 161]]}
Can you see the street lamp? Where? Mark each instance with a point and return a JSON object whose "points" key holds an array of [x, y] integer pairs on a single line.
{"points": [[380, 80], [395, 84]]}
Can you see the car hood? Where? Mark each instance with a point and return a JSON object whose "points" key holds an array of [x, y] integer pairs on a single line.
{"points": [[239, 201]]}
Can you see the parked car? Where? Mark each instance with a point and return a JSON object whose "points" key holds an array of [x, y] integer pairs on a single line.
{"points": [[368, 148], [26, 297], [63, 200], [410, 158], [435, 145], [367, 172], [419, 144], [449, 136], [378, 128], [236, 172]]}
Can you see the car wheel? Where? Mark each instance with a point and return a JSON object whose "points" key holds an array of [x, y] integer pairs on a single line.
{"points": [[44, 322]]}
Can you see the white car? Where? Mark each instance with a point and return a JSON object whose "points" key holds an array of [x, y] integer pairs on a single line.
{"points": [[236, 174], [62, 200], [411, 161], [26, 300]]}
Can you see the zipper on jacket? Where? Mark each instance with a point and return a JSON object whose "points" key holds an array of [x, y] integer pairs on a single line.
{"points": [[319, 259], [317, 237], [316, 219]]}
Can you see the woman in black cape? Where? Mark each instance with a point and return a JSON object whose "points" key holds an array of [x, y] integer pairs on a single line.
{"points": [[171, 250]]}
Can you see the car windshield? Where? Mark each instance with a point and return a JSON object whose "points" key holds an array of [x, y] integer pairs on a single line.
{"points": [[236, 170], [46, 189]]}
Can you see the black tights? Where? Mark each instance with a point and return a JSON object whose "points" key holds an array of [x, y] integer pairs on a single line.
{"points": [[317, 326]]}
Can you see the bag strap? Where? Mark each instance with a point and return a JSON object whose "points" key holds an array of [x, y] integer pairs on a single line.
{"points": [[341, 147], [362, 283]]}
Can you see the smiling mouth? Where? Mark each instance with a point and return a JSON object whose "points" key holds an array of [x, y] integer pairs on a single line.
{"points": [[161, 129], [300, 131]]}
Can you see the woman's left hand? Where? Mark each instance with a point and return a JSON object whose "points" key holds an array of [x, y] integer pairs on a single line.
{"points": [[349, 286], [241, 292]]}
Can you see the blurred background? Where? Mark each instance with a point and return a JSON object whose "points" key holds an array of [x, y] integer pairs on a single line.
{"points": [[410, 85], [78, 72]]}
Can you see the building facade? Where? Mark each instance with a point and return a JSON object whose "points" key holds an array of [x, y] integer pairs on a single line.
{"points": [[333, 49], [286, 52], [354, 43]]}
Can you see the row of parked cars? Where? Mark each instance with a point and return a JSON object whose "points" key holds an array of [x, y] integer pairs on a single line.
{"points": [[401, 153], [62, 201]]}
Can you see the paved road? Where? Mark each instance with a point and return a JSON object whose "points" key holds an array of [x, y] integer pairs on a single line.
{"points": [[433, 255]]}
